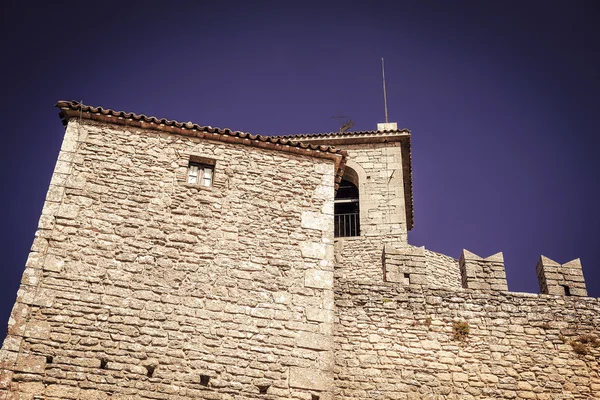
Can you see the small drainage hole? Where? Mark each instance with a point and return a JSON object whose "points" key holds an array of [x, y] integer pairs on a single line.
{"points": [[49, 359], [204, 379], [150, 369], [262, 389], [103, 364]]}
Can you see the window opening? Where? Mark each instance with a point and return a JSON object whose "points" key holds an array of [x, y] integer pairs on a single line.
{"points": [[262, 389], [407, 279], [150, 370], [566, 290], [204, 379], [347, 216], [200, 174]]}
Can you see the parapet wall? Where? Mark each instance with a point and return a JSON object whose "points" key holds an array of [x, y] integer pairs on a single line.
{"points": [[398, 342], [361, 259]]}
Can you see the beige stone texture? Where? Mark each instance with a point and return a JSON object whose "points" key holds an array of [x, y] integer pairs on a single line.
{"points": [[142, 286], [133, 268], [398, 342]]}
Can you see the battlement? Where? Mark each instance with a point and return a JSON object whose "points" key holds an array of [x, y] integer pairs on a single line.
{"points": [[163, 269], [562, 280], [406, 266], [483, 273]]}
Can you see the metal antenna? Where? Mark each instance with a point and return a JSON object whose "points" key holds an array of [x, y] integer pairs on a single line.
{"points": [[345, 122], [384, 92]]}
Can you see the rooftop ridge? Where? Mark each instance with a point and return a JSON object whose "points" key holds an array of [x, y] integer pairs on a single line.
{"points": [[72, 109], [351, 133]]}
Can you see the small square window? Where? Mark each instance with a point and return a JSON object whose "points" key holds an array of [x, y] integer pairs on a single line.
{"points": [[200, 174]]}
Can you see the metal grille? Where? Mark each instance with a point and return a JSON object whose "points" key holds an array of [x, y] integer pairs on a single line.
{"points": [[347, 225]]}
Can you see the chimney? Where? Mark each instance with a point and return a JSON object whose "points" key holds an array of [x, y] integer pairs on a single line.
{"points": [[387, 126]]}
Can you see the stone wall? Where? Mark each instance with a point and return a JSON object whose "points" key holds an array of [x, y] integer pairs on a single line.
{"points": [[442, 270], [381, 188], [398, 342], [360, 259], [140, 285]]}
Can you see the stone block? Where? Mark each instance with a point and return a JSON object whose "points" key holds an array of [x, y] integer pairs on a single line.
{"points": [[53, 263], [314, 341], [68, 211], [319, 315], [37, 330], [311, 379], [313, 250], [30, 364], [62, 391], [318, 279], [316, 220]]}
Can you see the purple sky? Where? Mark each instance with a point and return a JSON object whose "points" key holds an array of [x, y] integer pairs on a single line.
{"points": [[502, 100]]}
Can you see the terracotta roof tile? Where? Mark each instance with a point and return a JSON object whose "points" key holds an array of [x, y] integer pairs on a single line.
{"points": [[72, 109], [345, 138], [299, 136]]}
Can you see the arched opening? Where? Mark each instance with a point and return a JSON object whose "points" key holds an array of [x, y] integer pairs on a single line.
{"points": [[346, 206]]}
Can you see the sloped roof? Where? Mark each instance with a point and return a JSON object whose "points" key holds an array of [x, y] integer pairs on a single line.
{"points": [[347, 134], [75, 109], [362, 137]]}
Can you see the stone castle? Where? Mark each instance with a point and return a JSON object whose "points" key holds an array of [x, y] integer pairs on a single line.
{"points": [[178, 261]]}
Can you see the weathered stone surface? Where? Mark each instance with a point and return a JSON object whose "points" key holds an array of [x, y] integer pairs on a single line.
{"points": [[395, 328], [140, 285], [561, 280], [304, 378], [317, 278], [483, 273]]}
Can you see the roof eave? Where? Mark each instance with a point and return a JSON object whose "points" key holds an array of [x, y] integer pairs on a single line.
{"points": [[75, 110], [350, 138]]}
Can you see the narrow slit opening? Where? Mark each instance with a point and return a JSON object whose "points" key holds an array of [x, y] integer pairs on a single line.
{"points": [[407, 279], [262, 389], [103, 363], [49, 359], [567, 290], [150, 369], [204, 379]]}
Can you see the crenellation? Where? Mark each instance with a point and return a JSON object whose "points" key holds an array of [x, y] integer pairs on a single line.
{"points": [[142, 284], [483, 273], [561, 280], [406, 266]]}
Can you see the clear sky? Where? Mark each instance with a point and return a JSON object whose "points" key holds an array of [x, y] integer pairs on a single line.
{"points": [[502, 99]]}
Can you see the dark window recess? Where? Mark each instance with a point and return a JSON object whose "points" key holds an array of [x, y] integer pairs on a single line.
{"points": [[204, 379], [262, 389], [150, 369], [347, 216], [407, 279], [103, 363], [49, 359], [566, 290], [201, 171], [314, 397]]}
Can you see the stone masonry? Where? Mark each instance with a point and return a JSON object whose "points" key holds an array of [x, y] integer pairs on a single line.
{"points": [[561, 279], [483, 273], [140, 285]]}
